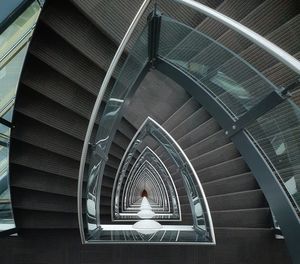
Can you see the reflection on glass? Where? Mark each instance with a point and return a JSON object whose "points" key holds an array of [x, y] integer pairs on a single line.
{"points": [[277, 133], [18, 29], [228, 77], [141, 169], [239, 87], [13, 48], [135, 62], [9, 79], [6, 217]]}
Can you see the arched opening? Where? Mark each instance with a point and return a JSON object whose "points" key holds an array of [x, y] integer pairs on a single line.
{"points": [[144, 193]]}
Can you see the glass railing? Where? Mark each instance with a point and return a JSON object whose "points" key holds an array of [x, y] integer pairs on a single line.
{"points": [[215, 67], [277, 133], [233, 86], [6, 216], [146, 162], [211, 64], [13, 48], [149, 166], [131, 175]]}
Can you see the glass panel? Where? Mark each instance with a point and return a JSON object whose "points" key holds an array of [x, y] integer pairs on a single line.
{"points": [[277, 133], [13, 49], [141, 169], [136, 60], [238, 86], [9, 79], [6, 217], [18, 29], [230, 79]]}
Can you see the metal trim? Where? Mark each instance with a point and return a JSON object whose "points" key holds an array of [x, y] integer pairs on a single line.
{"points": [[96, 108], [254, 37], [265, 105], [5, 122]]}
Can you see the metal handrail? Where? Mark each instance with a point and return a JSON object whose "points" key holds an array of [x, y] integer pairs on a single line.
{"points": [[95, 111], [174, 143], [254, 37]]}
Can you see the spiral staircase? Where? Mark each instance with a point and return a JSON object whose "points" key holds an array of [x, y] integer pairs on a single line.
{"points": [[68, 57]]}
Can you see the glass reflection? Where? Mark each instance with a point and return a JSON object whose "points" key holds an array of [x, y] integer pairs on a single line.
{"points": [[13, 48]]}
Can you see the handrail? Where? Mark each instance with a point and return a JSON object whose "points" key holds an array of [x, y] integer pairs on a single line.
{"points": [[254, 37], [95, 111], [277, 198], [177, 146]]}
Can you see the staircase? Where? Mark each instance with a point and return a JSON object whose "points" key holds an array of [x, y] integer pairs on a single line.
{"points": [[68, 57]]}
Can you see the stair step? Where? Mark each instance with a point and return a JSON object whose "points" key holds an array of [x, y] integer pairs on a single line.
{"points": [[207, 145], [106, 191], [57, 87], [45, 137], [60, 55], [281, 75], [146, 101], [50, 113], [41, 201], [250, 218], [45, 220], [225, 169], [234, 9], [110, 172], [121, 140], [40, 159], [217, 156], [237, 183], [91, 41], [187, 109], [32, 179], [279, 13], [246, 241], [113, 162], [200, 133], [107, 182], [116, 151], [189, 124], [239, 200], [105, 201]]}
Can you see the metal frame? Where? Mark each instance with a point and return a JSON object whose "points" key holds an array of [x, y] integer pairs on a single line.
{"points": [[172, 187], [166, 173], [117, 181], [241, 138], [273, 191], [130, 183], [154, 20], [5, 122], [266, 104], [96, 108], [115, 186], [133, 88]]}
